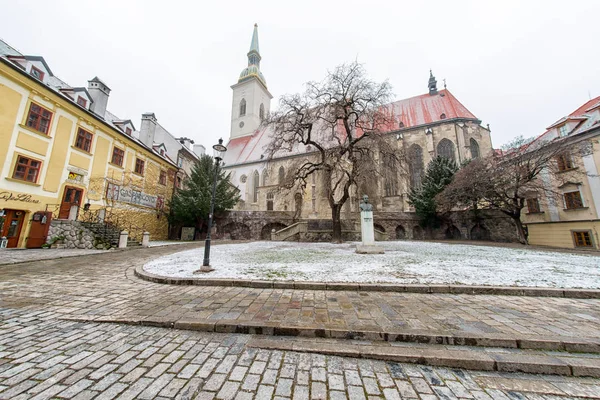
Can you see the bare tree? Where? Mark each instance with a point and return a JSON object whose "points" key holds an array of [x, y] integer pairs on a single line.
{"points": [[340, 119], [505, 181]]}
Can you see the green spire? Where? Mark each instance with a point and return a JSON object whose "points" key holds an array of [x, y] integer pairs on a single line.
{"points": [[254, 53], [254, 43]]}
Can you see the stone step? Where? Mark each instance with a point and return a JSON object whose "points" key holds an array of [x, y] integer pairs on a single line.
{"points": [[481, 358], [475, 358]]}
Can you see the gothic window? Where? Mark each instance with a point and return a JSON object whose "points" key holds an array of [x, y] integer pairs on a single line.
{"points": [[270, 197], [445, 148], [255, 182], [415, 165], [474, 148], [265, 176], [390, 175], [261, 112], [281, 176], [242, 107]]}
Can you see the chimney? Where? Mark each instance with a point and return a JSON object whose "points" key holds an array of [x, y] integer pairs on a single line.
{"points": [[187, 143], [148, 129], [99, 93], [199, 150]]}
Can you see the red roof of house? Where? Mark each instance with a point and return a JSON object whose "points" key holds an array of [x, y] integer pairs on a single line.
{"points": [[586, 106], [578, 114]]}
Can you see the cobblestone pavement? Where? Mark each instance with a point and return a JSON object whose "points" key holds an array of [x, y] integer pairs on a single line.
{"points": [[13, 256], [104, 286], [42, 357]]}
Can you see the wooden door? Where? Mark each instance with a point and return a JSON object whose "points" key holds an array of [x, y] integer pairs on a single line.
{"points": [[72, 197], [40, 224], [13, 222]]}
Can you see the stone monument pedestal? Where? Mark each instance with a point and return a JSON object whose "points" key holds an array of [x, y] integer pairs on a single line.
{"points": [[374, 249], [367, 231]]}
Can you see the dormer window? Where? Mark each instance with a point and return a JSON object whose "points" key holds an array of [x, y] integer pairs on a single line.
{"points": [[242, 107], [37, 73], [562, 130], [128, 131], [81, 101], [443, 116], [162, 152], [401, 124]]}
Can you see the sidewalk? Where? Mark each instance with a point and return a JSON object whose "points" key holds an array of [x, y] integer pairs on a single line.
{"points": [[15, 256]]}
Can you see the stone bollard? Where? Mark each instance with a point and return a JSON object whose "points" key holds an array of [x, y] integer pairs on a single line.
{"points": [[146, 239], [123, 239]]}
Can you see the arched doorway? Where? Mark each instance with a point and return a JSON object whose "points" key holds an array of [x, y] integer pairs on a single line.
{"points": [[236, 231], [453, 233], [400, 232], [417, 233], [479, 232]]}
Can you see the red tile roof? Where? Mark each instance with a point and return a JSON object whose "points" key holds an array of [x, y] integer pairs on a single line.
{"points": [[427, 109]]}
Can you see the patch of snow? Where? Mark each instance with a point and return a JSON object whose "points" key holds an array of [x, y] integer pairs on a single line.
{"points": [[403, 262]]}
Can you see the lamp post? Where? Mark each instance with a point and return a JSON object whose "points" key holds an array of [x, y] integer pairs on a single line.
{"points": [[219, 151]]}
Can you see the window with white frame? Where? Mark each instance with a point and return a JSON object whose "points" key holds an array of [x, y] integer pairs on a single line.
{"points": [[563, 131]]}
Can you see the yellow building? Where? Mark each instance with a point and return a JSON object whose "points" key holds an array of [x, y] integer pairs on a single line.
{"points": [[568, 215], [64, 156]]}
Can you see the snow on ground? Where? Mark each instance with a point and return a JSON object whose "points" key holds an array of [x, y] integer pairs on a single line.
{"points": [[403, 262]]}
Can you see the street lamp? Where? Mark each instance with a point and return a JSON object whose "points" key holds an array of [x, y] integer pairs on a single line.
{"points": [[218, 152]]}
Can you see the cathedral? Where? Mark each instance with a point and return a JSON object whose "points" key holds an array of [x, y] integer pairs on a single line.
{"points": [[426, 126]]}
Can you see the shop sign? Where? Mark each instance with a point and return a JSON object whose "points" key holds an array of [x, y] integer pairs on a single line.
{"points": [[131, 196], [22, 197]]}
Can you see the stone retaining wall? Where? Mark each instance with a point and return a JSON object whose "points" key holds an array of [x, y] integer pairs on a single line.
{"points": [[257, 225], [76, 236]]}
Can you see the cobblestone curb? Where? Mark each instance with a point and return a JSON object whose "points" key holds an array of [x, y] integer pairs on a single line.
{"points": [[567, 344], [374, 287], [535, 362]]}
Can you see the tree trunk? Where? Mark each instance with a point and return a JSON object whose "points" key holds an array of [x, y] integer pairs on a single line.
{"points": [[336, 211], [520, 230]]}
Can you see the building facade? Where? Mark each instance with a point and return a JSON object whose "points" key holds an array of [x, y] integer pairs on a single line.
{"points": [[428, 125], [65, 156], [566, 214]]}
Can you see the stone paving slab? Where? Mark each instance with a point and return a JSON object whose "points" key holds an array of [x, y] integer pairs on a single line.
{"points": [[104, 286], [372, 287], [42, 356]]}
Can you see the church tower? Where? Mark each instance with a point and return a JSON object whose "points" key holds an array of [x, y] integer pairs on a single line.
{"points": [[251, 98]]}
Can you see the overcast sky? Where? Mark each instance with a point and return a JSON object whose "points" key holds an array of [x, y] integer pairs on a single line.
{"points": [[517, 65]]}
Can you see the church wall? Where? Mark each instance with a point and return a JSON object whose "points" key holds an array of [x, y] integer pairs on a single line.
{"points": [[285, 200]]}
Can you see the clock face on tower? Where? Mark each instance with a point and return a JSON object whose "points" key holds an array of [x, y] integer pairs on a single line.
{"points": [[241, 124]]}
